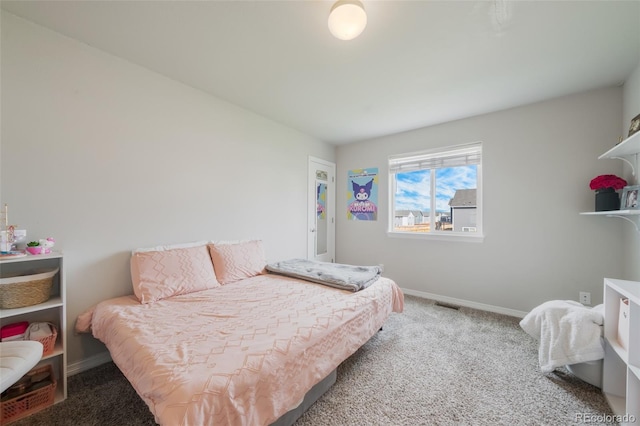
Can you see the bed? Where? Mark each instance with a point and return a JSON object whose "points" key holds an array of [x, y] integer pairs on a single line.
{"points": [[243, 352]]}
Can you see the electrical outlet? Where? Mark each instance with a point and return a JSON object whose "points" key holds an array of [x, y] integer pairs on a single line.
{"points": [[585, 298]]}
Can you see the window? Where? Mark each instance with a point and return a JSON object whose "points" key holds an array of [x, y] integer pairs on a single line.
{"points": [[437, 192]]}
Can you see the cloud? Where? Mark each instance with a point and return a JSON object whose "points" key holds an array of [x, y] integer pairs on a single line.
{"points": [[413, 188]]}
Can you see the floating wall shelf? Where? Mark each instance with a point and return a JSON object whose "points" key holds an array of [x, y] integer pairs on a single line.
{"points": [[629, 147], [632, 216], [627, 151]]}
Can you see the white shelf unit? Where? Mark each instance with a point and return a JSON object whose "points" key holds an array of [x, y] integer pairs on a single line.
{"points": [[621, 370], [628, 151], [53, 310]]}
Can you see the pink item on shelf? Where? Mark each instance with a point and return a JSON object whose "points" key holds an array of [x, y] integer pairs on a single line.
{"points": [[14, 331], [35, 250], [46, 245]]}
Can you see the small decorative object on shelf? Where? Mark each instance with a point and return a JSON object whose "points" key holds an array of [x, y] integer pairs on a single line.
{"points": [[12, 254], [630, 197], [607, 199], [33, 247], [606, 196], [41, 247], [635, 125], [7, 234], [47, 244], [12, 240]]}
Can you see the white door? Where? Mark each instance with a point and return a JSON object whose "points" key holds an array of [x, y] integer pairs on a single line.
{"points": [[321, 210]]}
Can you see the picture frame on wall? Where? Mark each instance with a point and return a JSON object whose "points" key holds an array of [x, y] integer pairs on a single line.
{"points": [[630, 198], [635, 125]]}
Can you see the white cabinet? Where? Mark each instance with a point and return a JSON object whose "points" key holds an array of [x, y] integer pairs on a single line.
{"points": [[621, 370], [52, 311]]}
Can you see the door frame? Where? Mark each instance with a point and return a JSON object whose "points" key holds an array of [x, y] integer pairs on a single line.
{"points": [[312, 208]]}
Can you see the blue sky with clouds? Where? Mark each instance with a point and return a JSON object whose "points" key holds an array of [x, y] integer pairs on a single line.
{"points": [[413, 188]]}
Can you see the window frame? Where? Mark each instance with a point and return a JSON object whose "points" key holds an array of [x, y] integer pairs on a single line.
{"points": [[434, 234]]}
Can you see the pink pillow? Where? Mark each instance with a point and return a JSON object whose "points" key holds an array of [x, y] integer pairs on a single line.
{"points": [[234, 262], [83, 322], [160, 274]]}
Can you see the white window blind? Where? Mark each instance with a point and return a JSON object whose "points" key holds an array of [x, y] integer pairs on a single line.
{"points": [[463, 155]]}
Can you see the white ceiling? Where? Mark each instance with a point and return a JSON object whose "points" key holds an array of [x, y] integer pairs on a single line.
{"points": [[417, 63]]}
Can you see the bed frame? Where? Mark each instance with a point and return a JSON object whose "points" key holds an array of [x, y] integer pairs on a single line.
{"points": [[312, 396]]}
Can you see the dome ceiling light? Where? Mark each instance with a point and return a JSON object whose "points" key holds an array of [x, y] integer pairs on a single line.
{"points": [[347, 19]]}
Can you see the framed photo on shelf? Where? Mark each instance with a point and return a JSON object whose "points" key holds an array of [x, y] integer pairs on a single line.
{"points": [[630, 198]]}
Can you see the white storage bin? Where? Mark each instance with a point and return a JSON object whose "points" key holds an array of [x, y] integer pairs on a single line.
{"points": [[623, 324]]}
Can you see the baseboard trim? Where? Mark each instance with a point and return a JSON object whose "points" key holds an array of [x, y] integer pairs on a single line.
{"points": [[88, 363], [466, 303]]}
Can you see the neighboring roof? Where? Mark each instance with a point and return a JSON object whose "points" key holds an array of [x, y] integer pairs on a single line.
{"points": [[463, 198], [405, 213]]}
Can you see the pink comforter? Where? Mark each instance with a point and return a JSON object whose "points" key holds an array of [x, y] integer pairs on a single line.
{"points": [[241, 354]]}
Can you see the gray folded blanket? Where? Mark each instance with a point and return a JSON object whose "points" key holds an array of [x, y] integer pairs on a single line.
{"points": [[346, 277]]}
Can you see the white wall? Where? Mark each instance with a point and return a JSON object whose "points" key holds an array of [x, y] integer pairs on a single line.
{"points": [[537, 164], [631, 108], [106, 156]]}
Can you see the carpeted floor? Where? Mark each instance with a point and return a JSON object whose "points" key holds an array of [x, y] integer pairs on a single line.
{"points": [[430, 365]]}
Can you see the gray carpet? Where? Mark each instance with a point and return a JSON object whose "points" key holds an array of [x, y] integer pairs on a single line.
{"points": [[430, 365]]}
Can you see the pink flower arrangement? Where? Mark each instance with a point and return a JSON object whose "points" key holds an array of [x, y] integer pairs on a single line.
{"points": [[607, 181]]}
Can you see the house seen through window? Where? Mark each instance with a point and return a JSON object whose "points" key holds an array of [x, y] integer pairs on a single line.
{"points": [[437, 192]]}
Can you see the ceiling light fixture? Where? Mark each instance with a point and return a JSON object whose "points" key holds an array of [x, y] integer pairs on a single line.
{"points": [[347, 19]]}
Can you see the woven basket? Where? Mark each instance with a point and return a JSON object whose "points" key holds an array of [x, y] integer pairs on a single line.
{"points": [[30, 402], [26, 290]]}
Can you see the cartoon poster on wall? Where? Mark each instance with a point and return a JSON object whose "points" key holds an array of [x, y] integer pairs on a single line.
{"points": [[362, 194]]}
